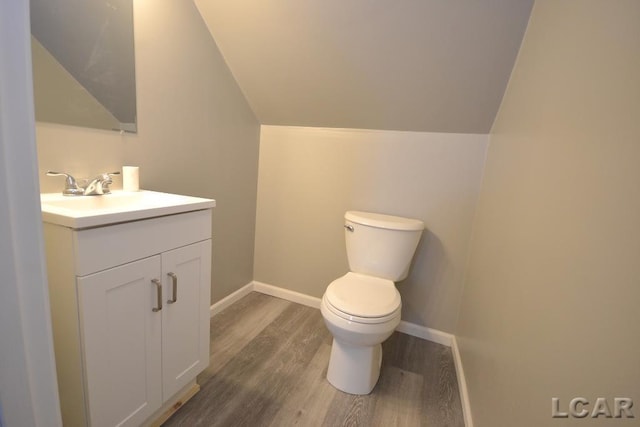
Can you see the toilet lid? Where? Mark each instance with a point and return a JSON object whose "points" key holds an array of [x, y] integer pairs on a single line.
{"points": [[363, 296]]}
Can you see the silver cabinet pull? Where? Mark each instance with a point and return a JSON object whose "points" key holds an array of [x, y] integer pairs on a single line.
{"points": [[174, 279], [159, 288], [349, 227]]}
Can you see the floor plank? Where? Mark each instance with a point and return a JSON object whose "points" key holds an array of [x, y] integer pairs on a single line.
{"points": [[312, 396], [349, 410], [229, 335], [398, 398], [269, 360]]}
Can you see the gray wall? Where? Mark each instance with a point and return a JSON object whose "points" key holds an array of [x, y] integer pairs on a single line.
{"points": [[550, 306], [196, 134], [309, 177]]}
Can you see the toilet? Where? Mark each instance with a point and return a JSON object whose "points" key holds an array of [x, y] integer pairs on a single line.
{"points": [[362, 308]]}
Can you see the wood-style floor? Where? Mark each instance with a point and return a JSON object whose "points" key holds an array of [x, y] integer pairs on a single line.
{"points": [[268, 364]]}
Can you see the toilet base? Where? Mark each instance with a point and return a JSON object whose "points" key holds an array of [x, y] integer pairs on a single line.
{"points": [[354, 369]]}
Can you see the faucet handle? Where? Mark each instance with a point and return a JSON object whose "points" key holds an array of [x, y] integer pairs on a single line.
{"points": [[71, 187], [105, 179]]}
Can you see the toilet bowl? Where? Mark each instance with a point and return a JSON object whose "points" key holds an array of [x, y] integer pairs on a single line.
{"points": [[358, 329], [362, 308]]}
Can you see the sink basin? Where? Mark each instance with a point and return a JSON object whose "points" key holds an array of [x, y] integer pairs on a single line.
{"points": [[119, 206]]}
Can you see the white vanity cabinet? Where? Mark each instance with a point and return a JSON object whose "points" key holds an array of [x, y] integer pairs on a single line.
{"points": [[130, 312], [122, 340]]}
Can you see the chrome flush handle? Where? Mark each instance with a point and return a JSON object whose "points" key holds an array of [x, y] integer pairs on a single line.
{"points": [[349, 228]]}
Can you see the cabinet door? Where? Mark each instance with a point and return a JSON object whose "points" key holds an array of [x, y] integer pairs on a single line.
{"points": [[122, 343], [185, 322]]}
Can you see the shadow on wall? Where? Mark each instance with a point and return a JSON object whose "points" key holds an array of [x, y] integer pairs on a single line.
{"points": [[422, 291]]}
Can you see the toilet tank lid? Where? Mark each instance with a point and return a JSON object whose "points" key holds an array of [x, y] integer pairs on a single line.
{"points": [[384, 221]]}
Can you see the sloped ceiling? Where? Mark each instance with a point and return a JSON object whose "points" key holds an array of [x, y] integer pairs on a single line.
{"points": [[415, 65]]}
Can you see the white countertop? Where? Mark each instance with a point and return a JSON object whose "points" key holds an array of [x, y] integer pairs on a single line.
{"points": [[119, 206]]}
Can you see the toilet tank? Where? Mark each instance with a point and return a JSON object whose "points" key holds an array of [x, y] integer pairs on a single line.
{"points": [[381, 245]]}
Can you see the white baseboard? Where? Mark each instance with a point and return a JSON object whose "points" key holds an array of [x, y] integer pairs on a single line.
{"points": [[408, 328], [462, 384], [286, 294], [230, 299], [425, 333], [405, 327]]}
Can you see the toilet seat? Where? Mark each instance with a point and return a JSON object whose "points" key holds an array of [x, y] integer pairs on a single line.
{"points": [[364, 299]]}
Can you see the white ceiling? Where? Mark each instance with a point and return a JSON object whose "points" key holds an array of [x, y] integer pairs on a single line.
{"points": [[415, 65]]}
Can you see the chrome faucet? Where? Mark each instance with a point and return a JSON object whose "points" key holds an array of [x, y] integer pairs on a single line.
{"points": [[71, 187], [100, 184], [97, 186]]}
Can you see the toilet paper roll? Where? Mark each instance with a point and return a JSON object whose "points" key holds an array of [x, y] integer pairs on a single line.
{"points": [[131, 178]]}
